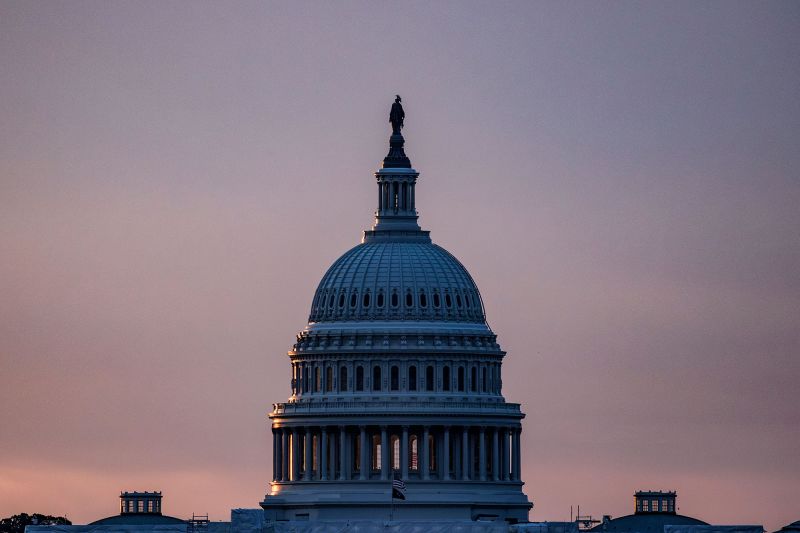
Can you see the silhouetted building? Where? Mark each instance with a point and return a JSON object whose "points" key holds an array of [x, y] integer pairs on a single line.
{"points": [[794, 527], [139, 508], [652, 511]]}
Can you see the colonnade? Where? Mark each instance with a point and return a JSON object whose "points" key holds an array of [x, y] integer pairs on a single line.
{"points": [[396, 195], [423, 452]]}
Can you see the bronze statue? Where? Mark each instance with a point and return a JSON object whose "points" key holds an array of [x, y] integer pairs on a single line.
{"points": [[396, 115]]}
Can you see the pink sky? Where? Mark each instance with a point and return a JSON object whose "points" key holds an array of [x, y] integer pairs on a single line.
{"points": [[621, 179]]}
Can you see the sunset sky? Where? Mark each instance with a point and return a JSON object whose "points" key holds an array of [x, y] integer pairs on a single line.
{"points": [[621, 179]]}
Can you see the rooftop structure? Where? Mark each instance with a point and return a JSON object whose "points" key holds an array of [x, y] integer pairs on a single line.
{"points": [[139, 508], [652, 511], [397, 374]]}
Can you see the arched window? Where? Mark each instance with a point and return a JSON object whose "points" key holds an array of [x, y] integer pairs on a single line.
{"points": [[341, 299], [330, 300], [359, 378], [412, 378], [365, 303], [395, 300], [446, 378], [329, 379], [484, 383], [376, 452], [436, 301], [394, 378], [343, 379], [461, 379], [447, 301], [467, 299], [376, 378], [473, 374], [353, 299], [423, 299], [317, 379], [409, 299], [458, 300], [429, 378], [413, 453], [395, 445], [380, 299], [306, 378]]}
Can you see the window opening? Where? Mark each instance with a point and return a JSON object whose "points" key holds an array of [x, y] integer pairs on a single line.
{"points": [[412, 378], [413, 459], [329, 379], [380, 299], [353, 300], [423, 300], [461, 379], [447, 301], [317, 379], [376, 378], [395, 445], [409, 300], [341, 299], [359, 378], [395, 301], [343, 379], [446, 378], [366, 299], [395, 378], [429, 378], [473, 386], [376, 452]]}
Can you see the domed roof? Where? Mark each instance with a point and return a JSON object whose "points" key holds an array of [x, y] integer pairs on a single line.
{"points": [[388, 280], [646, 523]]}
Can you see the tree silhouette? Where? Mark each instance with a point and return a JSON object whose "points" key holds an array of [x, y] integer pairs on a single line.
{"points": [[17, 523]]}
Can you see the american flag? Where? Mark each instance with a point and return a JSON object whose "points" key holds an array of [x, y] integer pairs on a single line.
{"points": [[398, 488]]}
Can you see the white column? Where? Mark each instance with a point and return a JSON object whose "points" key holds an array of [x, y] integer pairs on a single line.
{"points": [[482, 453], [505, 456], [285, 457], [404, 453], [495, 456], [445, 468], [465, 454], [295, 455], [323, 454], [344, 472], [309, 448], [364, 464], [426, 470], [384, 453]]}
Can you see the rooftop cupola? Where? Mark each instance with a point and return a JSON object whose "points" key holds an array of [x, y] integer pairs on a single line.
{"points": [[140, 502], [396, 215], [652, 501]]}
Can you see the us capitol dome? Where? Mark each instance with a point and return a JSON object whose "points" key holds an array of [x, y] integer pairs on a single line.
{"points": [[396, 379]]}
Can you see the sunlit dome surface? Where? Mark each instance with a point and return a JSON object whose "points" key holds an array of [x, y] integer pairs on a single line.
{"points": [[397, 280]]}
